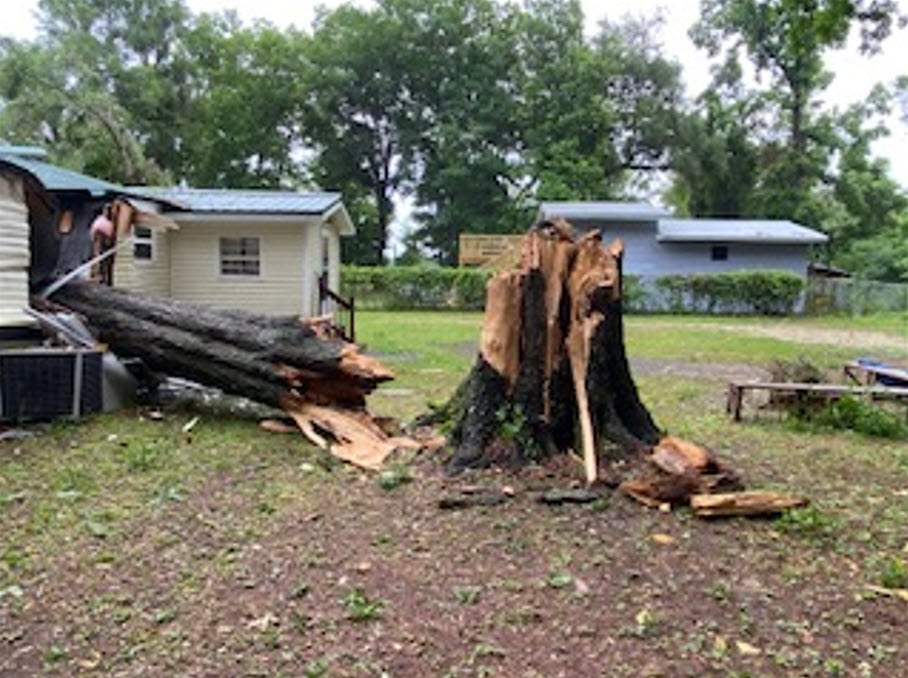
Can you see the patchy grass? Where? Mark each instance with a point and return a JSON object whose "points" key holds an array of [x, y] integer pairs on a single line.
{"points": [[128, 548]]}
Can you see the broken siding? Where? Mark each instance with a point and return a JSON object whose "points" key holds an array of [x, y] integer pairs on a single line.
{"points": [[14, 252], [196, 272], [146, 276]]}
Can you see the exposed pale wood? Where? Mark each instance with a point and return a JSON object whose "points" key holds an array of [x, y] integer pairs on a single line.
{"points": [[656, 490], [751, 503], [345, 434], [277, 426], [318, 379], [573, 388], [122, 218], [578, 350], [668, 460], [555, 261], [675, 455], [500, 338]]}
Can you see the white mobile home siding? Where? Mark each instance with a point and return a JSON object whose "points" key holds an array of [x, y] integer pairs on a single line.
{"points": [[14, 253], [195, 272], [146, 276]]}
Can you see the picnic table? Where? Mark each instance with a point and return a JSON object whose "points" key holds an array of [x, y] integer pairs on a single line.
{"points": [[803, 391]]}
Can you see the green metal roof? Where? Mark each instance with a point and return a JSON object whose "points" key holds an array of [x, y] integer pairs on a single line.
{"points": [[56, 178]]}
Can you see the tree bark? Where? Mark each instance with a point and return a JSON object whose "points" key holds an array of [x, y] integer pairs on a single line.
{"points": [[552, 374], [300, 365], [260, 357]]}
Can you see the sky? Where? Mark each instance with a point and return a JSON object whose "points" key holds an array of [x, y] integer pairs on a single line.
{"points": [[854, 74]]}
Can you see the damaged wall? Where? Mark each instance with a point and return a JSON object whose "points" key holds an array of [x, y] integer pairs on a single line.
{"points": [[14, 252]]}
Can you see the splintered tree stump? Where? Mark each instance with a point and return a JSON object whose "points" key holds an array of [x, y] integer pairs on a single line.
{"points": [[552, 374]]}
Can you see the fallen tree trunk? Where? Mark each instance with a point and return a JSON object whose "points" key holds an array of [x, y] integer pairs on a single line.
{"points": [[299, 365], [552, 373], [260, 357]]}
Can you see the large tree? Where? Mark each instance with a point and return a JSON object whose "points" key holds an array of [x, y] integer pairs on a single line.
{"points": [[531, 110], [786, 41], [143, 91], [358, 109]]}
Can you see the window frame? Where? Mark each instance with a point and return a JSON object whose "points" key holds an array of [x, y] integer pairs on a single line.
{"points": [[719, 253], [241, 257], [146, 240]]}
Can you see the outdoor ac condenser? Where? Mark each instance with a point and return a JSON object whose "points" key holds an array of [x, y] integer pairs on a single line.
{"points": [[43, 384]]}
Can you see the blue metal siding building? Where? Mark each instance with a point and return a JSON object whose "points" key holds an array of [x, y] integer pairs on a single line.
{"points": [[657, 244]]}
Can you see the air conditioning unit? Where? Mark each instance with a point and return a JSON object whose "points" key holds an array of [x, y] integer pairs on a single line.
{"points": [[49, 383]]}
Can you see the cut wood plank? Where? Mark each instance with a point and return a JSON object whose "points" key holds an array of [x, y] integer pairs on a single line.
{"points": [[753, 503]]}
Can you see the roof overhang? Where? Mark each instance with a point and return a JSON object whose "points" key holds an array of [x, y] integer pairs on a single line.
{"points": [[243, 217], [729, 238], [752, 231], [601, 211], [336, 214], [339, 215]]}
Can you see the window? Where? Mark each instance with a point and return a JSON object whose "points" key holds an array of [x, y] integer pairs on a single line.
{"points": [[142, 243], [240, 256], [719, 253]]}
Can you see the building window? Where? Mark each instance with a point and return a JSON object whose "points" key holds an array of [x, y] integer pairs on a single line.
{"points": [[240, 256], [142, 243], [719, 253]]}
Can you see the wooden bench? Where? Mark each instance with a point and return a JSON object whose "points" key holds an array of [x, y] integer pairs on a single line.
{"points": [[736, 390]]}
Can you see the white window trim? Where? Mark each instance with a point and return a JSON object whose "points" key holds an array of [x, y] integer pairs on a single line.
{"points": [[142, 240], [239, 276]]}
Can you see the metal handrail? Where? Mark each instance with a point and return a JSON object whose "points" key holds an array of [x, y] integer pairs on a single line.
{"points": [[329, 301]]}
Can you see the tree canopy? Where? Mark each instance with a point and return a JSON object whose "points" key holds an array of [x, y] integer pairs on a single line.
{"points": [[471, 111]]}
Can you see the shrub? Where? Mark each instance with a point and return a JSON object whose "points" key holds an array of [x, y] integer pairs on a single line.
{"points": [[895, 574], [415, 287], [760, 292], [435, 287], [850, 413]]}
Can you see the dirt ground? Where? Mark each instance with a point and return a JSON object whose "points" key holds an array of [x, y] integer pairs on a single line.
{"points": [[131, 549], [348, 579], [864, 339]]}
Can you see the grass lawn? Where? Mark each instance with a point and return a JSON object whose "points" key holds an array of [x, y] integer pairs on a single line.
{"points": [[129, 548]]}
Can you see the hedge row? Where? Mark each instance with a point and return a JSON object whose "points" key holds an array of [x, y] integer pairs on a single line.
{"points": [[759, 292], [432, 287], [415, 287]]}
